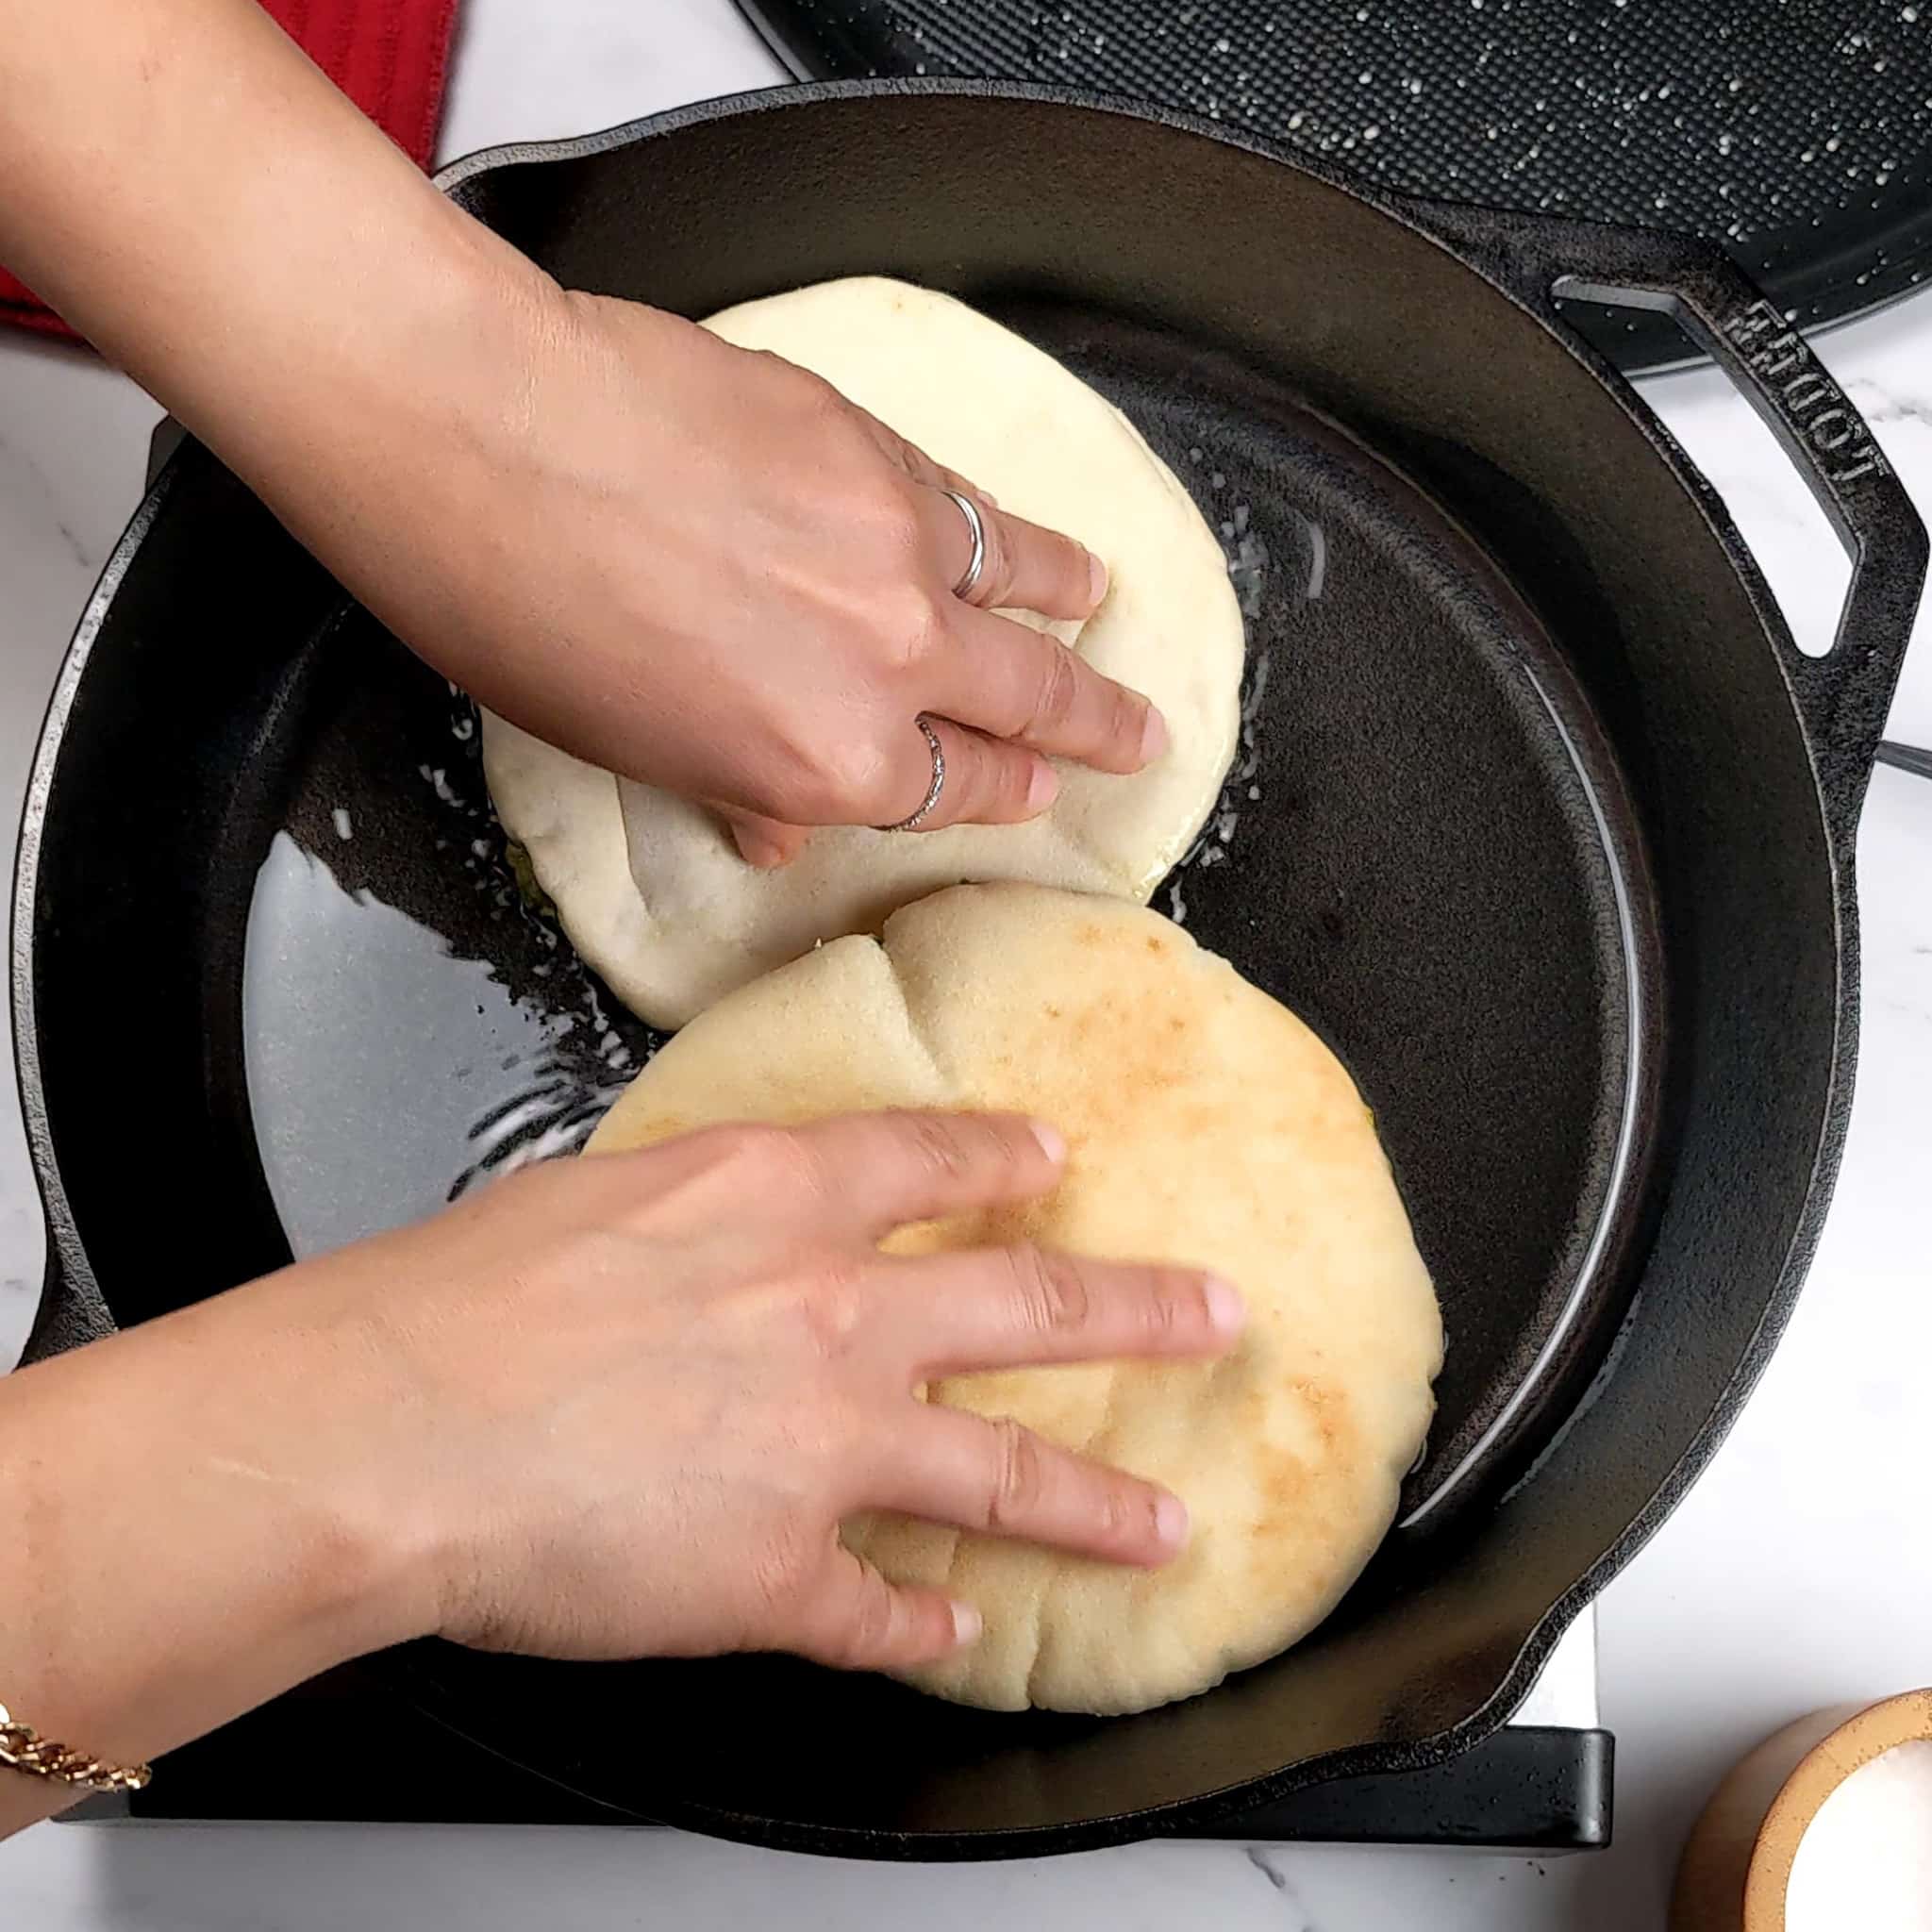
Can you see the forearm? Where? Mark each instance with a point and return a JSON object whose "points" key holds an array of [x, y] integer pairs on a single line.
{"points": [[183, 186], [194, 196], [185, 1530]]}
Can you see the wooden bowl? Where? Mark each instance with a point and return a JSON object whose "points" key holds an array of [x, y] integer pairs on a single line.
{"points": [[1737, 1863]]}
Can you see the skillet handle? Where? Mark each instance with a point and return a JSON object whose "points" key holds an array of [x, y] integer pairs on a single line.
{"points": [[70, 1311], [1843, 696]]}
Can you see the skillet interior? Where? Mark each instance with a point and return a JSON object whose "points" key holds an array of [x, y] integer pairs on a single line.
{"points": [[1415, 714], [1419, 789], [1426, 852]]}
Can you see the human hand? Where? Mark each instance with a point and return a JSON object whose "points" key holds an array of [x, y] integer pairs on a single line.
{"points": [[630, 1398], [688, 563], [702, 567], [607, 1407]]}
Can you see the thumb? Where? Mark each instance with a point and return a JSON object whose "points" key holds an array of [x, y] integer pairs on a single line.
{"points": [[856, 1621], [766, 843]]}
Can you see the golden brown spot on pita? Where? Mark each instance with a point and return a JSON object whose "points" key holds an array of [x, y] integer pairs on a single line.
{"points": [[1284, 1481], [1324, 1403]]}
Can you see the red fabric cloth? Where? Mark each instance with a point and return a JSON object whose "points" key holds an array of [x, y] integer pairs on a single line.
{"points": [[388, 55]]}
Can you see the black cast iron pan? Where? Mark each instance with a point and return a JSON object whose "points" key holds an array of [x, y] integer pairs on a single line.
{"points": [[1541, 817]]}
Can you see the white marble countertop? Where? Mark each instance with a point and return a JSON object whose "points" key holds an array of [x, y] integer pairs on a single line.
{"points": [[1796, 1574]]}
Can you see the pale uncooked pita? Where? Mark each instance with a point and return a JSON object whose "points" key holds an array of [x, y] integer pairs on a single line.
{"points": [[649, 887], [1207, 1126]]}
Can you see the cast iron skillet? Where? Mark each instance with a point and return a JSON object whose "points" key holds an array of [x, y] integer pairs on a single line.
{"points": [[1541, 817]]}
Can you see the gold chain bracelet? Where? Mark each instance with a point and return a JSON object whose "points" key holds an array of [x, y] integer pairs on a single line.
{"points": [[22, 1748]]}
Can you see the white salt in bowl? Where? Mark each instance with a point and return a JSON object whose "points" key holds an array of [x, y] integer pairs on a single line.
{"points": [[1825, 1827]]}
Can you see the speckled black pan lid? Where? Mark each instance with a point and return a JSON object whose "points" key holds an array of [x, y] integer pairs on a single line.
{"points": [[1798, 133]]}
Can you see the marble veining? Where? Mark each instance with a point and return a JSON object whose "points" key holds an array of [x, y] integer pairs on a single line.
{"points": [[1794, 1575], [20, 458]]}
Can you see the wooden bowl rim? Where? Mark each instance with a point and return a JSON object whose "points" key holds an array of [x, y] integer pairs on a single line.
{"points": [[1906, 1719]]}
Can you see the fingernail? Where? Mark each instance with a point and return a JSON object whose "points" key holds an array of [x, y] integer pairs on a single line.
{"points": [[1171, 1521], [1153, 739], [1053, 1144], [967, 1625], [1044, 787], [1096, 579], [1227, 1313]]}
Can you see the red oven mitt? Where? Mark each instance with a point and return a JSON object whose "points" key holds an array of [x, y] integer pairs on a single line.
{"points": [[388, 55]]}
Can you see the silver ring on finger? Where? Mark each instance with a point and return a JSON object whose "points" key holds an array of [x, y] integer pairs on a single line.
{"points": [[976, 526], [931, 799]]}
